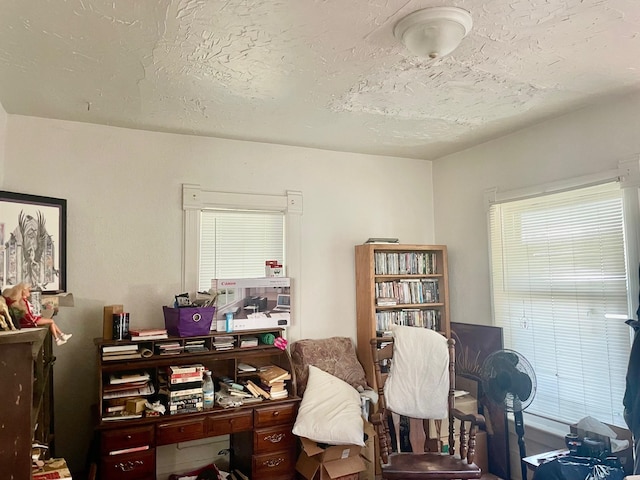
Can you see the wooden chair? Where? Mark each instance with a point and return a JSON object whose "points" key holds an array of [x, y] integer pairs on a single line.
{"points": [[425, 461]]}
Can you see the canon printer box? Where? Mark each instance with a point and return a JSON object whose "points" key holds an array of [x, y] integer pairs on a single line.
{"points": [[256, 303]]}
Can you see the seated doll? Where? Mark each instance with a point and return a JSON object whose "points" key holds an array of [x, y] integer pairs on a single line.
{"points": [[17, 298]]}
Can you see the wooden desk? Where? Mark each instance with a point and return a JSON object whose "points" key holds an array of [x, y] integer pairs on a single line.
{"points": [[262, 443]]}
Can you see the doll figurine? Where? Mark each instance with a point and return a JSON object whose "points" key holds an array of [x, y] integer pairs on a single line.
{"points": [[17, 298]]}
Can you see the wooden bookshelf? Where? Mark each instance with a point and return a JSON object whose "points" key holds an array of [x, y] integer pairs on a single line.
{"points": [[414, 276]]}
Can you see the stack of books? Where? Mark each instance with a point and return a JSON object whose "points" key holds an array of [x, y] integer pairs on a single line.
{"points": [[273, 381], [246, 342], [142, 334], [120, 352], [169, 348], [246, 368], [193, 346], [229, 387], [182, 388], [223, 342], [121, 388]]}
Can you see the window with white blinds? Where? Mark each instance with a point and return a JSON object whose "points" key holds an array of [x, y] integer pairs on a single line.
{"points": [[236, 244], [559, 285]]}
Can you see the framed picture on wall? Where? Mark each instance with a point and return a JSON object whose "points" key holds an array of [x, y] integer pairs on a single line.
{"points": [[33, 241]]}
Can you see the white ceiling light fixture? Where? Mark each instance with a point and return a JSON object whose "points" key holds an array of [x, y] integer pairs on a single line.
{"points": [[433, 32]]}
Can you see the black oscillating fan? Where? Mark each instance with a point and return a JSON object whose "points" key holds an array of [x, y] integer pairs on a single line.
{"points": [[508, 380]]}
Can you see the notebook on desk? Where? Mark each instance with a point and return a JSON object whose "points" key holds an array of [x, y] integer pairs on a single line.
{"points": [[283, 303]]}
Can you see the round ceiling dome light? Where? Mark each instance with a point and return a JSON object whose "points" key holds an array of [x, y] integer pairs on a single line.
{"points": [[433, 32]]}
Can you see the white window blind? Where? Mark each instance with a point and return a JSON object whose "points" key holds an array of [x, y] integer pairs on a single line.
{"points": [[558, 275], [236, 244]]}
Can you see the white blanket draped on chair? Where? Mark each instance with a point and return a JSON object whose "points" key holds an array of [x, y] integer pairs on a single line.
{"points": [[418, 382]]}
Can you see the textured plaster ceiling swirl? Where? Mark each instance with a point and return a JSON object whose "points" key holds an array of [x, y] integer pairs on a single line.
{"points": [[325, 74]]}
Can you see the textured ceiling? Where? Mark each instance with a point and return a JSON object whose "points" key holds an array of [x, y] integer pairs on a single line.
{"points": [[325, 74]]}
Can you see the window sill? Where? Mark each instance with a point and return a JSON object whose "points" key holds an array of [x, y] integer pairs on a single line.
{"points": [[540, 430]]}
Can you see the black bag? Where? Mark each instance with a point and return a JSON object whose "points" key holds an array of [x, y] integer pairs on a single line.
{"points": [[580, 468]]}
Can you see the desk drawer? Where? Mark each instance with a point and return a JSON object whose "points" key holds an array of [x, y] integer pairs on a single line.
{"points": [[275, 415], [125, 438], [273, 465], [175, 432], [274, 438], [240, 421], [129, 466]]}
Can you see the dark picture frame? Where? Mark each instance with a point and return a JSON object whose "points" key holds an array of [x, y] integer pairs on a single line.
{"points": [[474, 343], [33, 241]]}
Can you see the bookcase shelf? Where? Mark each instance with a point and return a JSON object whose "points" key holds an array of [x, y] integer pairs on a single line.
{"points": [[413, 276]]}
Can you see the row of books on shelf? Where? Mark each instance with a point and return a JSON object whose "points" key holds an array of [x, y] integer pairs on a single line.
{"points": [[126, 395], [196, 345], [411, 317], [408, 291], [405, 263]]}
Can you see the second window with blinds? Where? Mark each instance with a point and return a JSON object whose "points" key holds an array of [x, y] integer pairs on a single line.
{"points": [[559, 283]]}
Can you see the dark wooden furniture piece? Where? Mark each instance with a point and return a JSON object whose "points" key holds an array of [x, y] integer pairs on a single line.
{"points": [[262, 444], [425, 461], [26, 403]]}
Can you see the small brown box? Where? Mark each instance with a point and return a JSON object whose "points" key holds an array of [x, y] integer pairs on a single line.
{"points": [[107, 321], [135, 405]]}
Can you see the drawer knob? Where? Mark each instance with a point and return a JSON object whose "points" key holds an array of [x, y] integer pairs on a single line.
{"points": [[274, 462], [276, 413], [181, 429], [128, 437], [275, 438], [128, 466]]}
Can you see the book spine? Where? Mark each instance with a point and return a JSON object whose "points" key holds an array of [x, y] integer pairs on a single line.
{"points": [[179, 393], [185, 410], [185, 369], [119, 348], [185, 377], [146, 333]]}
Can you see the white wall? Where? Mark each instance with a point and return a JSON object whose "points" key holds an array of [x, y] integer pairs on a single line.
{"points": [[582, 143], [3, 136], [123, 189], [585, 142]]}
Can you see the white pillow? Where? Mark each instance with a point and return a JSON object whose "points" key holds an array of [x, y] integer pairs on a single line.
{"points": [[329, 411], [418, 384]]}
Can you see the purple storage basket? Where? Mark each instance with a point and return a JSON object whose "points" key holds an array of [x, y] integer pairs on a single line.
{"points": [[188, 321]]}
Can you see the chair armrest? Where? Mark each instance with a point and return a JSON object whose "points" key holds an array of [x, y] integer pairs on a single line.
{"points": [[475, 419], [469, 423]]}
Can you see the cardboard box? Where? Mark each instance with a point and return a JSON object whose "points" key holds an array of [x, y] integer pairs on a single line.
{"points": [[333, 462], [252, 301], [107, 321], [466, 404], [135, 405], [368, 453], [481, 457]]}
